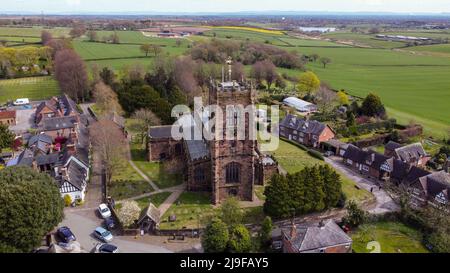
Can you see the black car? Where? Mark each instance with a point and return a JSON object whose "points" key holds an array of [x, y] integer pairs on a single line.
{"points": [[107, 248], [109, 223], [65, 234]]}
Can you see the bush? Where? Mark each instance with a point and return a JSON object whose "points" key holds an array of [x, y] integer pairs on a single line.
{"points": [[316, 154], [67, 200]]}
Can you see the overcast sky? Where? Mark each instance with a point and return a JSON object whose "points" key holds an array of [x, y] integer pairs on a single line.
{"points": [[99, 6]]}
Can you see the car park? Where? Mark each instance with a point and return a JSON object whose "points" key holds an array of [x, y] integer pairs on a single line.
{"points": [[103, 234]]}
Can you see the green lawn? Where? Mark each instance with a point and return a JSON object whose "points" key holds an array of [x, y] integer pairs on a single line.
{"points": [[34, 88], [128, 183], [393, 237], [293, 159], [191, 205], [156, 199], [156, 171]]}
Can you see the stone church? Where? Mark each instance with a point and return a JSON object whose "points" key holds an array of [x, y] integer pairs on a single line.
{"points": [[223, 167]]}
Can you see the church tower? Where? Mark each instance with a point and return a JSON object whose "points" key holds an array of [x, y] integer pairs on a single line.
{"points": [[232, 161]]}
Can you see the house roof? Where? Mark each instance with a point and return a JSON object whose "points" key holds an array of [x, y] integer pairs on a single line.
{"points": [[160, 132], [306, 126], [298, 103], [315, 236], [392, 145], [50, 159], [25, 158], [355, 154], [76, 175], [57, 123], [197, 149], [400, 169], [414, 174], [410, 152], [437, 182], [7, 114], [153, 213], [42, 137], [67, 105], [117, 119]]}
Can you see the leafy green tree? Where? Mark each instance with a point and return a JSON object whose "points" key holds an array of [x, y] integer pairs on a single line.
{"points": [[277, 197], [266, 230], [240, 240], [308, 83], [355, 215], [332, 186], [107, 76], [372, 106], [325, 61], [216, 236], [343, 98], [350, 119], [440, 241], [32, 206], [318, 189], [230, 212], [6, 137]]}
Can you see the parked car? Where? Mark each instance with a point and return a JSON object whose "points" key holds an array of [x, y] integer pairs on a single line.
{"points": [[109, 223], [106, 248], [328, 153], [103, 234], [65, 234], [104, 211]]}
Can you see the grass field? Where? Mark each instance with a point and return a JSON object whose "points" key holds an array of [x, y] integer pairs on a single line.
{"points": [[363, 39], [32, 31], [34, 88], [413, 87], [393, 237], [441, 48], [293, 159], [244, 35], [128, 183]]}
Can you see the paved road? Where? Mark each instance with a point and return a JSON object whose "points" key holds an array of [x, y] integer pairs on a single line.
{"points": [[83, 226], [384, 201]]}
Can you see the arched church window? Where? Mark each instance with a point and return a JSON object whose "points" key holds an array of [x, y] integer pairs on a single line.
{"points": [[233, 171], [199, 175]]}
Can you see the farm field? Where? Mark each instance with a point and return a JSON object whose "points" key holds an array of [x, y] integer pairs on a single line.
{"points": [[310, 43], [441, 48], [393, 237], [244, 35], [400, 78], [34, 88], [32, 31], [363, 39]]}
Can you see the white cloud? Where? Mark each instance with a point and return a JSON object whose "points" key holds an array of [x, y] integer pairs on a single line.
{"points": [[73, 2]]}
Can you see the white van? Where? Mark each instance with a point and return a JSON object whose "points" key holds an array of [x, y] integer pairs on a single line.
{"points": [[21, 102]]}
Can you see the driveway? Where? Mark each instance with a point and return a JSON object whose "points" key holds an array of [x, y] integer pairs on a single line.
{"points": [[384, 203], [83, 226]]}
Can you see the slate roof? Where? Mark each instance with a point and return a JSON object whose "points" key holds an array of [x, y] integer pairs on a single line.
{"points": [[410, 152], [400, 169], [355, 154], [414, 174], [153, 213], [117, 119], [306, 126], [25, 158], [76, 175], [50, 159], [392, 145], [437, 182], [379, 159], [160, 132], [313, 237], [57, 123], [67, 105], [197, 149]]}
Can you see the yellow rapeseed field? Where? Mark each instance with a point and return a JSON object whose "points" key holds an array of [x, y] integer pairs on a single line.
{"points": [[261, 30]]}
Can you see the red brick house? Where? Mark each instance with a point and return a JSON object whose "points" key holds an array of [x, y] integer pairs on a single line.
{"points": [[8, 118], [62, 106], [307, 132], [324, 237]]}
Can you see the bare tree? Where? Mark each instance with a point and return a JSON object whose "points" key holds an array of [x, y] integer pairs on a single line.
{"points": [[110, 143], [270, 73], [71, 74], [46, 37], [146, 48], [156, 49], [325, 99], [146, 118], [106, 99], [92, 35]]}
